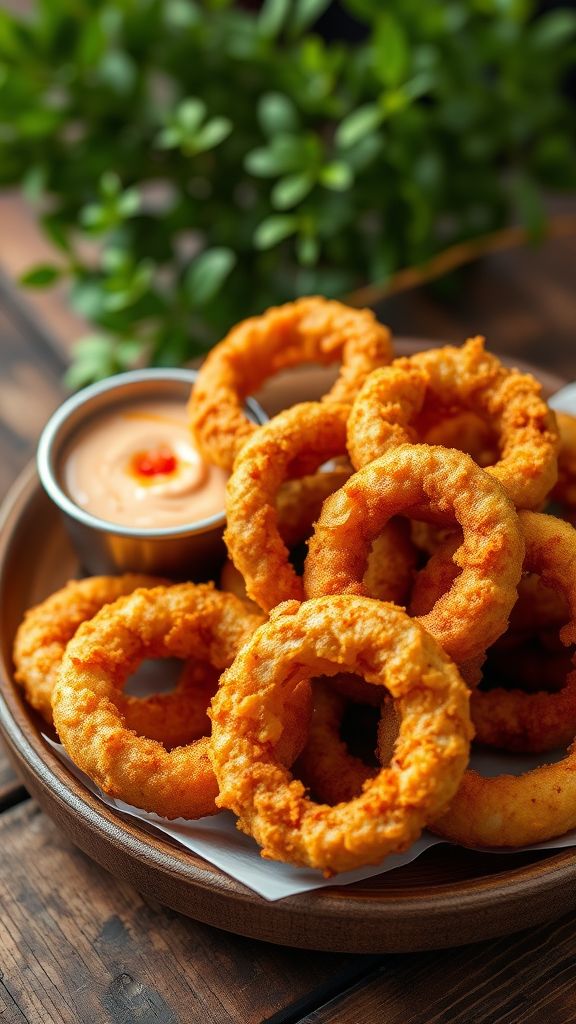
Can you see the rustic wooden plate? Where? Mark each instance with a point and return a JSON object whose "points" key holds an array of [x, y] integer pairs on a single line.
{"points": [[449, 896]]}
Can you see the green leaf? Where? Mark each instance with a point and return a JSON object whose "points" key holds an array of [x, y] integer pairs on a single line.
{"points": [[212, 134], [207, 273], [277, 113], [190, 113], [272, 16], [273, 230], [34, 183], [356, 125], [337, 176], [88, 298], [262, 163], [129, 202], [41, 276], [181, 14], [553, 29], [364, 152], [291, 190], [307, 250], [168, 138], [118, 71], [94, 359], [391, 53], [285, 153], [305, 13], [56, 230]]}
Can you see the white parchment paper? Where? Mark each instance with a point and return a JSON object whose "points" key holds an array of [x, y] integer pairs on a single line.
{"points": [[218, 840]]}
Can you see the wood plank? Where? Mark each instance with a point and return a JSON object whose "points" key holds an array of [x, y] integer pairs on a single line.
{"points": [[522, 979], [523, 301], [22, 245], [30, 389], [79, 946], [11, 789]]}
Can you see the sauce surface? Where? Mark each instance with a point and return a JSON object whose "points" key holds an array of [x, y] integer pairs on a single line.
{"points": [[136, 466]]}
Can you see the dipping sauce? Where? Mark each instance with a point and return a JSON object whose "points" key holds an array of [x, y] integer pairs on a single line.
{"points": [[135, 465]]}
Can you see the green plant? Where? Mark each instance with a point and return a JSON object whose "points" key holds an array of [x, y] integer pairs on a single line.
{"points": [[196, 162]]}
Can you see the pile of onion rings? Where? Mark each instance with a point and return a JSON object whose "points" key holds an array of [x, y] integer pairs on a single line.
{"points": [[388, 563]]}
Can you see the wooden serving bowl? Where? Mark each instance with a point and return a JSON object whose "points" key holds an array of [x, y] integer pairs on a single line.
{"points": [[449, 896]]}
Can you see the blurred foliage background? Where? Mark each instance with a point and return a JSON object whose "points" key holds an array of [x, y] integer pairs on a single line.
{"points": [[196, 162]]}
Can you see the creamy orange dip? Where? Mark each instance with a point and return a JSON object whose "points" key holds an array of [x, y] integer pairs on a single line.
{"points": [[136, 466]]}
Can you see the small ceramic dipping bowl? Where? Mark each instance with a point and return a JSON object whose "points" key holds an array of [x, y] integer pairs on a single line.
{"points": [[191, 551]]}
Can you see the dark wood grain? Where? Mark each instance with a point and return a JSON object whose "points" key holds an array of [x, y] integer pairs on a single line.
{"points": [[524, 979], [522, 300], [30, 388], [79, 947]]}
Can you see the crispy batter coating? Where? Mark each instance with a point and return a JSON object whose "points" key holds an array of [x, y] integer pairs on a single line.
{"points": [[512, 810], [539, 721], [312, 329], [46, 629], [385, 411], [252, 535], [391, 564], [565, 490], [299, 502], [179, 716], [326, 766], [462, 429], [232, 581], [325, 636], [511, 718], [259, 528], [171, 718], [474, 611], [182, 621]]}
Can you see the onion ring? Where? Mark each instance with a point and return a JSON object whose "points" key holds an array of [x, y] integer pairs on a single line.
{"points": [[565, 490], [391, 563], [389, 402], [322, 637], [461, 429], [180, 621], [46, 629], [299, 503], [475, 610], [311, 329], [326, 766], [512, 810], [512, 718], [232, 581], [171, 718], [252, 534]]}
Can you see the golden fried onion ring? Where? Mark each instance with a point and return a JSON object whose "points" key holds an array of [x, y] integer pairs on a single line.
{"points": [[326, 766], [475, 610], [181, 621], [325, 636], [512, 718], [171, 718], [389, 402], [311, 329], [46, 629], [565, 490], [252, 534], [299, 502]]}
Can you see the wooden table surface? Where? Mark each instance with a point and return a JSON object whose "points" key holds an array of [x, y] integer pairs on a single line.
{"points": [[78, 946]]}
